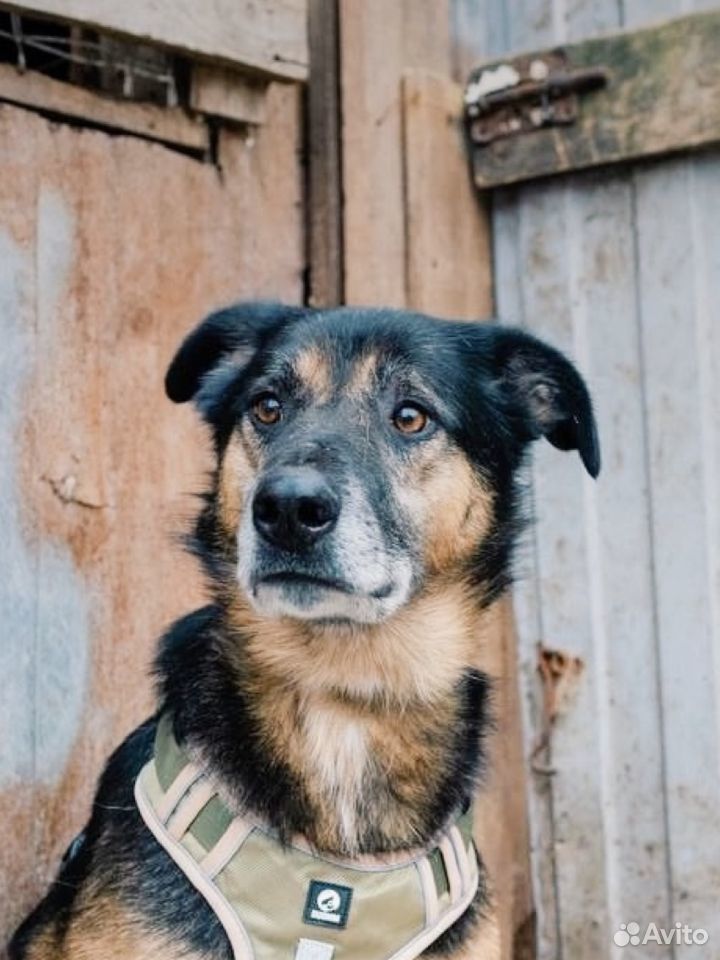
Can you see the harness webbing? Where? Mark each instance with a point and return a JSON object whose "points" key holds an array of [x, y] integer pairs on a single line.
{"points": [[286, 901]]}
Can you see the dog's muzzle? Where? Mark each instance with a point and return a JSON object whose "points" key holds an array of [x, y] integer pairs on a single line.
{"points": [[311, 547]]}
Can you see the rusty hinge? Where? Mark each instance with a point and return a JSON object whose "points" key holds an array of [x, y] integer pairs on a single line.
{"points": [[526, 93]]}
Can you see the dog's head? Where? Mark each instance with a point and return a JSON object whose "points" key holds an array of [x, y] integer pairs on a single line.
{"points": [[363, 454]]}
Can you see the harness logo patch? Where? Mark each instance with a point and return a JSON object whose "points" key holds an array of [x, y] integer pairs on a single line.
{"points": [[327, 904]]}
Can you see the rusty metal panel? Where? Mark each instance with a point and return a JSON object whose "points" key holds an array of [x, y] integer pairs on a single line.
{"points": [[110, 249], [618, 595]]}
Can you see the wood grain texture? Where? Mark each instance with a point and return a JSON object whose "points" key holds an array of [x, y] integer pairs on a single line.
{"points": [[324, 146], [106, 263], [228, 94], [267, 36], [447, 230], [663, 96], [169, 125], [678, 280], [619, 268], [416, 236], [379, 41], [373, 230]]}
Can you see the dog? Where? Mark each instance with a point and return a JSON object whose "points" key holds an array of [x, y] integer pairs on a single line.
{"points": [[359, 526]]}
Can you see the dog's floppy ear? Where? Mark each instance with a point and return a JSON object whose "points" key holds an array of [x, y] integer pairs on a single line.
{"points": [[548, 395], [227, 339]]}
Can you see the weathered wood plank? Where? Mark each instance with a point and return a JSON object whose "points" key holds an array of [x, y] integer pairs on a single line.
{"points": [[372, 60], [378, 42], [632, 255], [164, 124], [663, 96], [678, 280], [448, 246], [324, 136], [620, 583], [617, 729], [267, 36], [563, 550], [477, 34], [228, 94], [509, 269], [18, 194]]}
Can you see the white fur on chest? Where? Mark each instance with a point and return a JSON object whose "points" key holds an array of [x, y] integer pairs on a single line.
{"points": [[337, 749]]}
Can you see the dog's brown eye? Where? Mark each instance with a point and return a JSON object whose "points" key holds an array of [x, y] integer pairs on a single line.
{"points": [[267, 409], [410, 419]]}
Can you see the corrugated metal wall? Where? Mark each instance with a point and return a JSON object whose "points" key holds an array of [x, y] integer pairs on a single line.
{"points": [[621, 268]]}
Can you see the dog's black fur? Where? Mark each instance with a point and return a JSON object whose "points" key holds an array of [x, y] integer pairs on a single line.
{"points": [[490, 390]]}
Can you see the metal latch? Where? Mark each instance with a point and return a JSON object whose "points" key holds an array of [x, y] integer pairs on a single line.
{"points": [[526, 93]]}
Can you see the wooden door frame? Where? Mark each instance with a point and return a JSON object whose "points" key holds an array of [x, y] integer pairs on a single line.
{"points": [[394, 220]]}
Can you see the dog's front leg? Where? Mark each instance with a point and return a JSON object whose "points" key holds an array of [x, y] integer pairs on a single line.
{"points": [[482, 942]]}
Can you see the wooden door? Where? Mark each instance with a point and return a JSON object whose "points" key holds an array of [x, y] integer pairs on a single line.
{"points": [[619, 598]]}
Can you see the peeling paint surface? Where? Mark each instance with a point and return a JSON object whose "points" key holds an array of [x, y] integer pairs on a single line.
{"points": [[17, 608], [62, 599], [44, 608], [110, 250]]}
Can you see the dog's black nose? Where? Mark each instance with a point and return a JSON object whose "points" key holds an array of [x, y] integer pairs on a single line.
{"points": [[295, 508]]}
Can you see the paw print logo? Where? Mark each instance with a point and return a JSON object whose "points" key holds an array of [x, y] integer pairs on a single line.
{"points": [[628, 933]]}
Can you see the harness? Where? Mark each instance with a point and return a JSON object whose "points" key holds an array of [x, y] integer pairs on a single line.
{"points": [[286, 901]]}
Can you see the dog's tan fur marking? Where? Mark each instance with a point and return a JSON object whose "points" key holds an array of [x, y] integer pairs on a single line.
{"points": [[336, 747], [351, 757], [328, 701], [394, 661], [444, 496], [313, 369], [484, 942], [363, 376], [101, 928], [239, 467]]}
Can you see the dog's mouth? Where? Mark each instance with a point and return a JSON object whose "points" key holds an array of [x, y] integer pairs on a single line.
{"points": [[311, 596], [291, 580]]}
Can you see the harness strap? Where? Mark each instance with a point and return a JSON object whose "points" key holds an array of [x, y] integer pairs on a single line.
{"points": [[374, 908], [236, 934], [196, 799], [226, 847]]}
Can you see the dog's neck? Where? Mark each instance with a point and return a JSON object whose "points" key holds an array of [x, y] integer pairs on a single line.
{"points": [[363, 740]]}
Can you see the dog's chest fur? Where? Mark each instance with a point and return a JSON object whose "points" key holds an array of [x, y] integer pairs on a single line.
{"points": [[338, 750], [377, 777]]}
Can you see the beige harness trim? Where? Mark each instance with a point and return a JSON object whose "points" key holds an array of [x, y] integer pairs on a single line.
{"points": [[239, 940], [198, 797], [171, 815], [427, 881], [461, 854], [226, 847]]}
